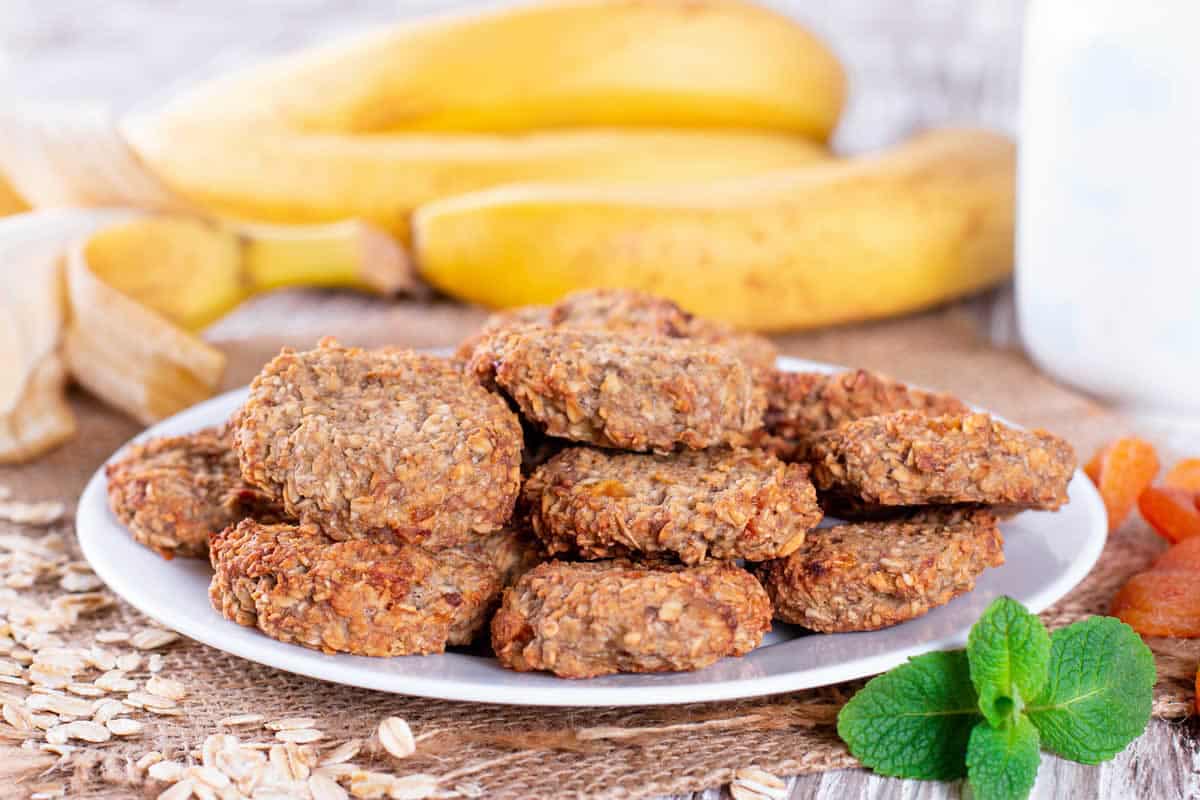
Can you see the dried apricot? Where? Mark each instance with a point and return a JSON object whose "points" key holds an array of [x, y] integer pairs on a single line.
{"points": [[1184, 475], [1161, 603], [1171, 512], [1185, 555], [1121, 471]]}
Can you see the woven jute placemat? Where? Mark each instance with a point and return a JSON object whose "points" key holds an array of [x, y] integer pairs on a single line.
{"points": [[511, 751]]}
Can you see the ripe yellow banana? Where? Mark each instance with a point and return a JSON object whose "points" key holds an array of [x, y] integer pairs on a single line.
{"points": [[192, 270], [924, 222], [285, 177], [669, 63]]}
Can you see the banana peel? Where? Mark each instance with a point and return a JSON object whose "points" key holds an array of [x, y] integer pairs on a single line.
{"points": [[193, 270], [922, 223], [131, 356], [34, 416]]}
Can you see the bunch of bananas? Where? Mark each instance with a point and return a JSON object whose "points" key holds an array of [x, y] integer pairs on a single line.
{"points": [[508, 157]]}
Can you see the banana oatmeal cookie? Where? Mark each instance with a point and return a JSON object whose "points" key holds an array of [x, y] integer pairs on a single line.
{"points": [[628, 391], [371, 598], [172, 492], [908, 459], [870, 575], [381, 442], [580, 620], [803, 404], [630, 311], [695, 505]]}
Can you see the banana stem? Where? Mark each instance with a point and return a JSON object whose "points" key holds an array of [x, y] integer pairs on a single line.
{"points": [[346, 254]]}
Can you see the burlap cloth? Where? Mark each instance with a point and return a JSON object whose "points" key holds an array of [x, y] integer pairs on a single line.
{"points": [[592, 752]]}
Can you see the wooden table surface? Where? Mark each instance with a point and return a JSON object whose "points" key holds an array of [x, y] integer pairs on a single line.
{"points": [[911, 64]]}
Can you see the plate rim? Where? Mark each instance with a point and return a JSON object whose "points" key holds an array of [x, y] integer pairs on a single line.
{"points": [[303, 661]]}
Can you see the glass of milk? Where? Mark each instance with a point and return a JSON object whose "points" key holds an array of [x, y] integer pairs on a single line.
{"points": [[1108, 232]]}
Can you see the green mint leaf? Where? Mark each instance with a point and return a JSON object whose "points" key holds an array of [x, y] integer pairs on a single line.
{"points": [[914, 721], [1009, 652], [1002, 763], [1098, 697]]}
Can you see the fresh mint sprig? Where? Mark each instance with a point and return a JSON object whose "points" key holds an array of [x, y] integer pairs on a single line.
{"points": [[986, 713]]}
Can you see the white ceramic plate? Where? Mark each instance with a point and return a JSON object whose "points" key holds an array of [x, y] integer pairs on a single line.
{"points": [[1047, 555]]}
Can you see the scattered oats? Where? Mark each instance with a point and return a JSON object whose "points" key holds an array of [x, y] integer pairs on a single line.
{"points": [[79, 582], [148, 760], [155, 662], [370, 784], [209, 776], [272, 794], [752, 783], [112, 637], [141, 699], [19, 580], [124, 726], [9, 667], [15, 681], [179, 791], [32, 513], [325, 788], [16, 716], [290, 723], [396, 737], [165, 687], [115, 681], [338, 771], [22, 655], [417, 786], [168, 771], [469, 789], [73, 605], [287, 764], [38, 639], [214, 745], [47, 791], [45, 721], [129, 662], [61, 704], [68, 658], [152, 638], [61, 750], [343, 752], [241, 719], [101, 659], [164, 711], [108, 709], [259, 745], [85, 689], [57, 735], [88, 731], [299, 735], [49, 675]]}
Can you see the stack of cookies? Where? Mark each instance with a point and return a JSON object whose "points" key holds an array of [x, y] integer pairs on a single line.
{"points": [[636, 489]]}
